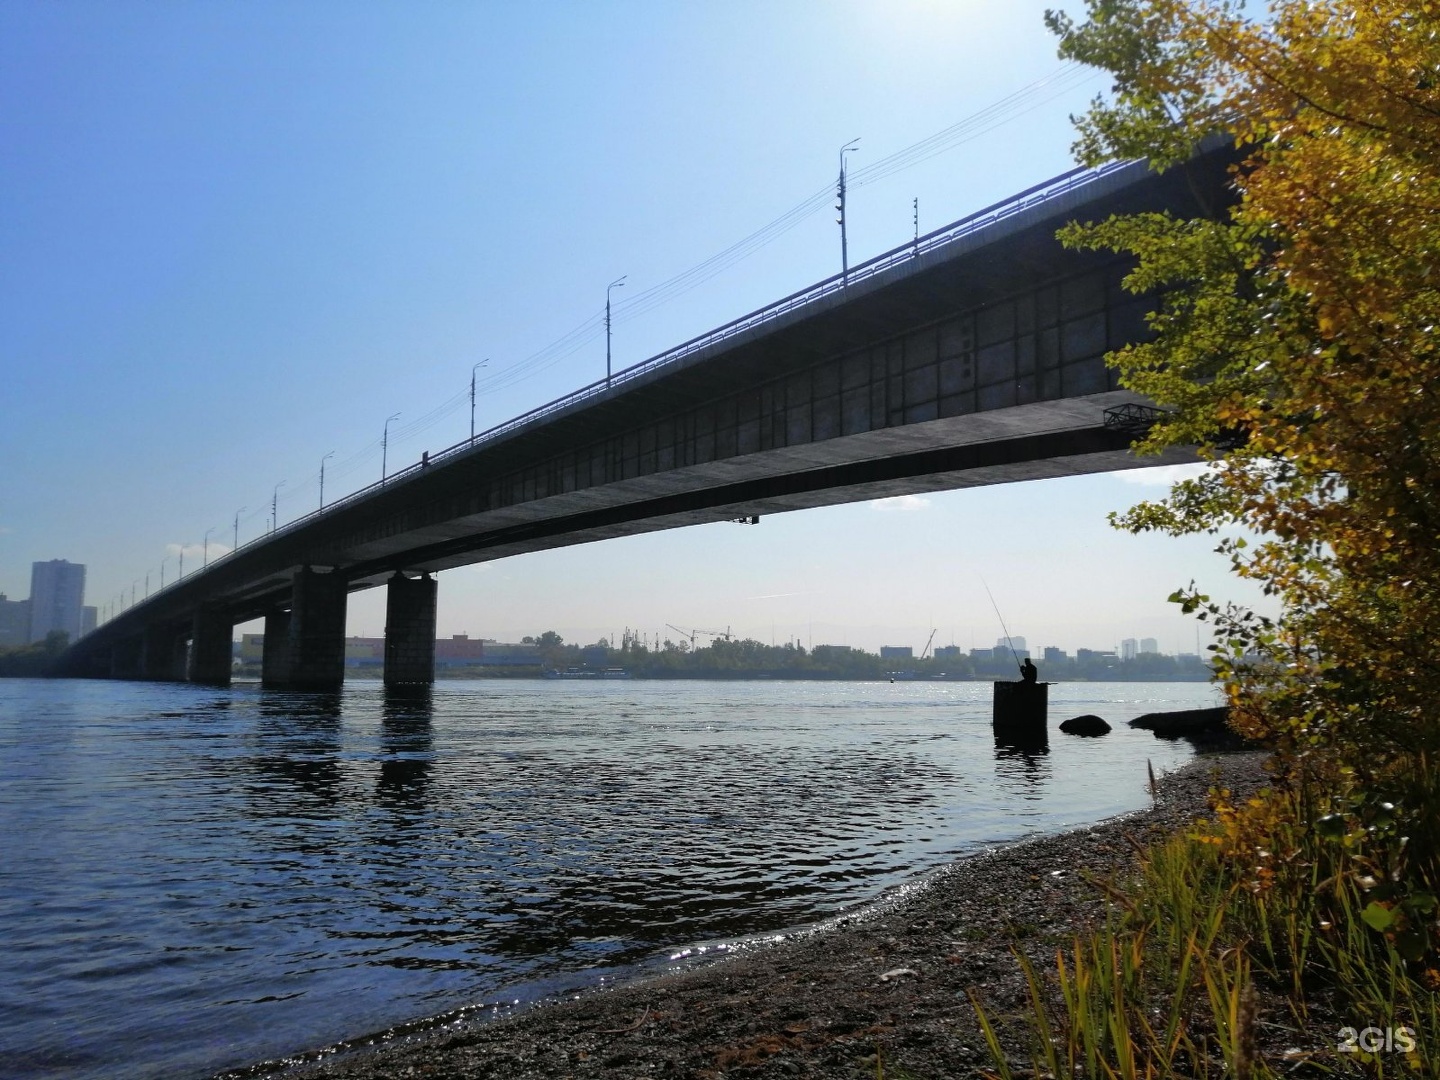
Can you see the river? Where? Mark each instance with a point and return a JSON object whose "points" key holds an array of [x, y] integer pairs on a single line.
{"points": [[194, 879]]}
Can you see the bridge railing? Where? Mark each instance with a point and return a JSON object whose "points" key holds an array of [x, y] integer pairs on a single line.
{"points": [[968, 225]]}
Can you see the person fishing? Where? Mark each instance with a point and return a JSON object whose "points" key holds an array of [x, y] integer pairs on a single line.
{"points": [[1028, 673]]}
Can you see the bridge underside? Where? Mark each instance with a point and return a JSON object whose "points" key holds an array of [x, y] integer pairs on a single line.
{"points": [[1039, 441], [1042, 440]]}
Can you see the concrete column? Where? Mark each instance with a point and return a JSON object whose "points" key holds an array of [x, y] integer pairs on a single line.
{"points": [[1020, 710], [162, 654], [211, 652], [410, 630], [275, 657], [308, 652]]}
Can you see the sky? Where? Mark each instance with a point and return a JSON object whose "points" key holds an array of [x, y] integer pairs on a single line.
{"points": [[235, 237]]}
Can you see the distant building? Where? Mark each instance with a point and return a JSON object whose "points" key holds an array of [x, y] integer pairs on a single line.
{"points": [[1128, 649], [363, 651], [1086, 656], [982, 654], [251, 649], [14, 622], [1149, 645], [57, 597], [507, 654], [459, 651], [896, 652], [1016, 643], [948, 652], [1054, 655]]}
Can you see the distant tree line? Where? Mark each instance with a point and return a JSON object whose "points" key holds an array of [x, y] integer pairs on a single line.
{"points": [[33, 660], [750, 659]]}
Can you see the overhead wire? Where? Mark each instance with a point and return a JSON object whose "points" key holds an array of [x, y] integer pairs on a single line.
{"points": [[1014, 105], [1023, 101]]}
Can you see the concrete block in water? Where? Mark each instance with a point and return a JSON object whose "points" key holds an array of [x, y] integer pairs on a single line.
{"points": [[1021, 708]]}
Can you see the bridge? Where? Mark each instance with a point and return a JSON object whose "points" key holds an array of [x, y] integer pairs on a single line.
{"points": [[973, 355]]}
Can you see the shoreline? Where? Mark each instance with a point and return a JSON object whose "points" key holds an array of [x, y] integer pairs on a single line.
{"points": [[891, 977]]}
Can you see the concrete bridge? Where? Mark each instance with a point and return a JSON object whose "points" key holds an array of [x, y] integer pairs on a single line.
{"points": [[972, 356]]}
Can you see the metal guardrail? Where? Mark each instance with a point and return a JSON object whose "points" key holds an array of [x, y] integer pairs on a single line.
{"points": [[972, 223]]}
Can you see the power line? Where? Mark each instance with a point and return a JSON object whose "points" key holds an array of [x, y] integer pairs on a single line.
{"points": [[1009, 108]]}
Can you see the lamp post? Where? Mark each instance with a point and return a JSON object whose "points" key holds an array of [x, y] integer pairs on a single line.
{"points": [[274, 502], [205, 549], [844, 252], [180, 573], [385, 445], [147, 584], [162, 570], [617, 283], [473, 369], [324, 459], [237, 524]]}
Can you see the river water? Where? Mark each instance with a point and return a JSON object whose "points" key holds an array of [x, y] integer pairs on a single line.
{"points": [[194, 879]]}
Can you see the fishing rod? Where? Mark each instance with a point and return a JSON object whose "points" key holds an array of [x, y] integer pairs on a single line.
{"points": [[1008, 642]]}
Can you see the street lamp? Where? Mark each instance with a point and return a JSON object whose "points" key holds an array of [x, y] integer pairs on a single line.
{"points": [[147, 584], [180, 573], [473, 369], [385, 445], [613, 285], [162, 570], [205, 549], [274, 500], [237, 524], [844, 252], [324, 459]]}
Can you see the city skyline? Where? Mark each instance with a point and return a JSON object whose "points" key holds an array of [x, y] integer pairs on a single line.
{"points": [[244, 238]]}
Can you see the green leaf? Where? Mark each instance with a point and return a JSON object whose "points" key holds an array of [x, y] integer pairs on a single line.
{"points": [[1378, 917]]}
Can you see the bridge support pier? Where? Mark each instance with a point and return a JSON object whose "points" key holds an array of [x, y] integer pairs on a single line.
{"points": [[162, 654], [410, 630], [305, 646], [211, 654], [275, 657]]}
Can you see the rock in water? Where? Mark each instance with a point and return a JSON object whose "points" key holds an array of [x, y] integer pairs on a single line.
{"points": [[1085, 725]]}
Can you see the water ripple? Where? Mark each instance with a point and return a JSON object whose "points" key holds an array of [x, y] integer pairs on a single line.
{"points": [[195, 879]]}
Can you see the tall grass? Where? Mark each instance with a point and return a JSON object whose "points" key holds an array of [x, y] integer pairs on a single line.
{"points": [[1241, 948]]}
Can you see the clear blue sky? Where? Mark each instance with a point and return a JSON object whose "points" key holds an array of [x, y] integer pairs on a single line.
{"points": [[237, 236]]}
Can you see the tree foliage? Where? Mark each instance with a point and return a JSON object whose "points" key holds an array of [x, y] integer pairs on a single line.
{"points": [[1296, 346]]}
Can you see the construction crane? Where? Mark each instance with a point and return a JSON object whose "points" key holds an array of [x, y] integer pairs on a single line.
{"points": [[926, 651], [691, 634]]}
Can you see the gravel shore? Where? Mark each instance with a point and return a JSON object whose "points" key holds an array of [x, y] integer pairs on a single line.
{"points": [[892, 979]]}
